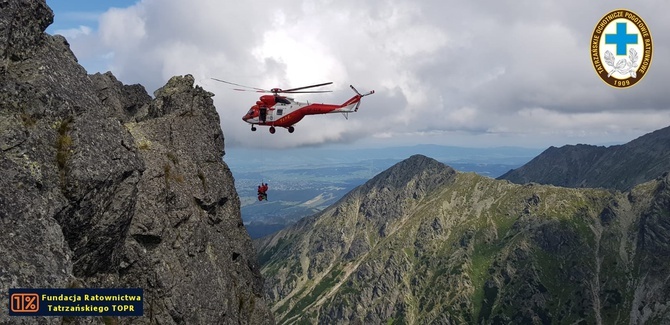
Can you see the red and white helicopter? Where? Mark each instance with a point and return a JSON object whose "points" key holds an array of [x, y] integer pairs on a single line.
{"points": [[280, 111]]}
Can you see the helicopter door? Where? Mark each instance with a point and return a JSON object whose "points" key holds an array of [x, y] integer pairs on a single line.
{"points": [[271, 115], [275, 113]]}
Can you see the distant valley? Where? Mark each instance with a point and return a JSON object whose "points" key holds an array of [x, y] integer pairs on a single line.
{"points": [[307, 180]]}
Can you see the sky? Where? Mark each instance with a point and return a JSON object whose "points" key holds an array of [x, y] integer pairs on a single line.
{"points": [[462, 73]]}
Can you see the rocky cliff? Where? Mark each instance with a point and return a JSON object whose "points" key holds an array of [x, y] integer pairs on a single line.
{"points": [[103, 186], [422, 244], [617, 167]]}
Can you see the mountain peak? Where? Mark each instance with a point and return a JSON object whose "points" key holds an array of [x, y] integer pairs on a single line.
{"points": [[427, 172]]}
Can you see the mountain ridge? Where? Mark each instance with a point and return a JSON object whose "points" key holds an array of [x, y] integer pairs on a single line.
{"points": [[617, 167], [496, 252]]}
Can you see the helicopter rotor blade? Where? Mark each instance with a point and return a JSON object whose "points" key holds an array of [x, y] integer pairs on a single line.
{"points": [[277, 90], [251, 90], [234, 84], [307, 92], [305, 87]]}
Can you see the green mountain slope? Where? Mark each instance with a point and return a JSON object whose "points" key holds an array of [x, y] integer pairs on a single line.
{"points": [[423, 244]]}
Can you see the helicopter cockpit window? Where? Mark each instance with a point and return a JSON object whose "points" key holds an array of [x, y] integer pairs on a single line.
{"points": [[282, 100], [250, 112]]}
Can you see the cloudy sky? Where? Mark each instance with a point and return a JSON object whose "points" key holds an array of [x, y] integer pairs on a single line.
{"points": [[465, 73]]}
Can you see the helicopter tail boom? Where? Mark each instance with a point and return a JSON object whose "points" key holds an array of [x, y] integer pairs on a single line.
{"points": [[352, 104]]}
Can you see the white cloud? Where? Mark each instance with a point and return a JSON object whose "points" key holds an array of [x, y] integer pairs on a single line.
{"points": [[72, 33], [472, 72], [123, 29]]}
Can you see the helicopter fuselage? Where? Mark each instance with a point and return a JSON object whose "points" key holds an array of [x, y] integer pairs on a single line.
{"points": [[278, 111], [289, 112]]}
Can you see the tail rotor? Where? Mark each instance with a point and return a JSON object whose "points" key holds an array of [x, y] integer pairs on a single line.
{"points": [[360, 95]]}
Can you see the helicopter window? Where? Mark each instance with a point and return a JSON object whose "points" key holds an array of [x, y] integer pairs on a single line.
{"points": [[280, 111], [282, 100], [250, 112]]}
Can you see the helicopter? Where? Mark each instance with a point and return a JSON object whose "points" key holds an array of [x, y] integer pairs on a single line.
{"points": [[281, 111]]}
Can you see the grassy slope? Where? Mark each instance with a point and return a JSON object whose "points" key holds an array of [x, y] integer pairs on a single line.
{"points": [[473, 251]]}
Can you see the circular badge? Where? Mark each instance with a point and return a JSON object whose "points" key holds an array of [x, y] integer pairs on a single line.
{"points": [[621, 48]]}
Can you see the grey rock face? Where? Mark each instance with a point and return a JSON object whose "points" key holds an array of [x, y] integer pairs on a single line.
{"points": [[128, 102], [67, 180], [102, 186], [22, 24], [186, 238]]}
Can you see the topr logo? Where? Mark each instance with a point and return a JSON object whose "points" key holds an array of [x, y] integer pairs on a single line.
{"points": [[621, 48]]}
